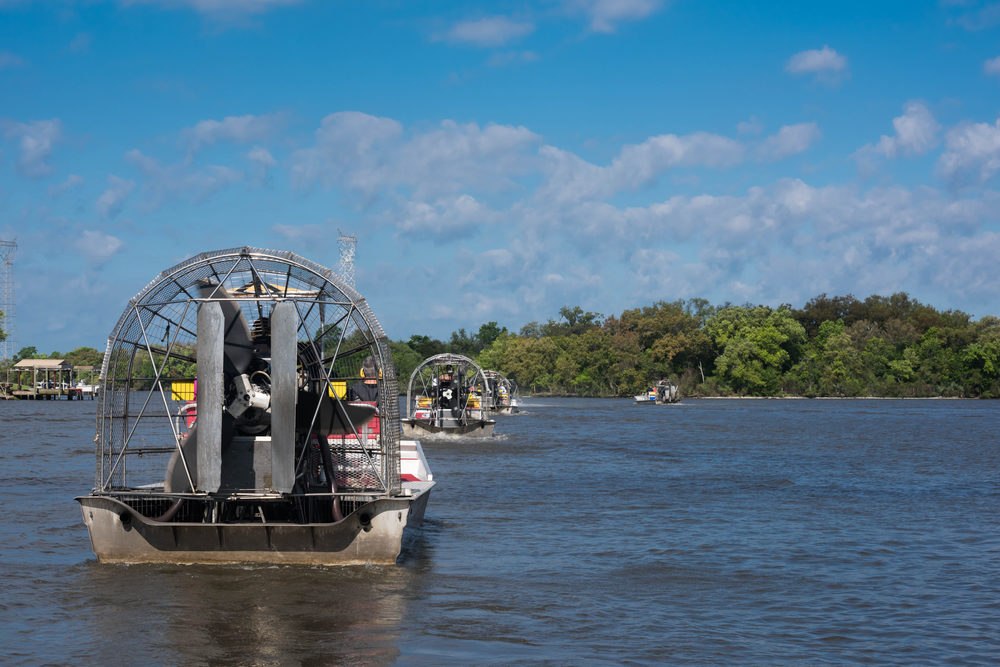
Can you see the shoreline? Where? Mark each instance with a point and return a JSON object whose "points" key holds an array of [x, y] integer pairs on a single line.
{"points": [[784, 398]]}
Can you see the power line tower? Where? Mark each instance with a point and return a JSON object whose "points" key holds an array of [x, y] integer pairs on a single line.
{"points": [[8, 346], [348, 245]]}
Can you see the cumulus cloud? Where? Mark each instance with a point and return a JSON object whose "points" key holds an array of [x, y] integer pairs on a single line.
{"points": [[302, 233], [782, 242], [235, 129], [10, 60], [790, 140], [511, 58], [916, 133], [972, 153], [72, 181], [262, 161], [97, 246], [223, 10], [606, 15], [992, 66], [372, 156], [568, 178], [36, 141], [826, 64], [446, 218], [981, 18], [165, 182], [110, 203], [490, 31]]}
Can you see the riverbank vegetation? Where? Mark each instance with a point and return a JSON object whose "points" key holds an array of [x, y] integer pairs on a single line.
{"points": [[832, 346], [889, 346]]}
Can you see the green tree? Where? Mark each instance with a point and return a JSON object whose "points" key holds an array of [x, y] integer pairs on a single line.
{"points": [[405, 359], [85, 356], [758, 345]]}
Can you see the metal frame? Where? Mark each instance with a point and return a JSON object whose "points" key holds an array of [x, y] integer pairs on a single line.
{"points": [[157, 331]]}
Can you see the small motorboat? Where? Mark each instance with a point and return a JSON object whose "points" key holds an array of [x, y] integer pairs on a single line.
{"points": [[661, 393]]}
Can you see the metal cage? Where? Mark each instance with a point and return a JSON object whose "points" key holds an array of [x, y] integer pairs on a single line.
{"points": [[149, 373]]}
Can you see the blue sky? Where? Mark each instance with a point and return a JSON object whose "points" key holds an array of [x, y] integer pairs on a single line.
{"points": [[500, 160]]}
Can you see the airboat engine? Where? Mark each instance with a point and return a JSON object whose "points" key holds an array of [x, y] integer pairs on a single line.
{"points": [[218, 441]]}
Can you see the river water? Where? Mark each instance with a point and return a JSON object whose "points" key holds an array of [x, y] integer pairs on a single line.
{"points": [[589, 532]]}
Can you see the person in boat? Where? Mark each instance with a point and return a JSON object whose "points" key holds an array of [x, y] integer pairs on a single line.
{"points": [[367, 389], [446, 390]]}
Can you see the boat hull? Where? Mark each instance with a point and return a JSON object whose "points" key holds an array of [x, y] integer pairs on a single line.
{"points": [[375, 533], [414, 428]]}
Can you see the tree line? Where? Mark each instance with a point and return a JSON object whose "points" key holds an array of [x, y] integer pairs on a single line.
{"points": [[832, 346]]}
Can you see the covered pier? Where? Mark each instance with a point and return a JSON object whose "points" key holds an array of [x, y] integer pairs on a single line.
{"points": [[48, 379]]}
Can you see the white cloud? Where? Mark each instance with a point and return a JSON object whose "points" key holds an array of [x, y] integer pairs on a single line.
{"points": [[972, 153], [97, 246], [568, 178], [302, 233], [180, 181], [262, 162], [606, 15], [992, 66], [916, 133], [72, 181], [447, 217], [36, 141], [110, 203], [235, 129], [826, 64], [223, 10], [349, 152], [490, 31], [752, 127], [982, 18], [790, 140], [10, 60], [374, 156], [511, 58]]}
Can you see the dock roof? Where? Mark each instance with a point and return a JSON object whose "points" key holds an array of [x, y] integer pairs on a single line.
{"points": [[44, 364]]}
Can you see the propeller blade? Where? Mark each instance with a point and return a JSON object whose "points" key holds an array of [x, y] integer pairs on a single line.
{"points": [[239, 346], [284, 356], [176, 480], [211, 353]]}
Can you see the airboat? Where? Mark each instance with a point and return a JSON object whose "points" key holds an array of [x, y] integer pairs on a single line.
{"points": [[448, 394], [248, 413], [503, 393], [661, 393]]}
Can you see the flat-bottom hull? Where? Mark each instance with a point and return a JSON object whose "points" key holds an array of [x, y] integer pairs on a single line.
{"points": [[414, 428], [375, 533]]}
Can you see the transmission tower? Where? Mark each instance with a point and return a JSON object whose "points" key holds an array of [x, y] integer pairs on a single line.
{"points": [[348, 244], [8, 346]]}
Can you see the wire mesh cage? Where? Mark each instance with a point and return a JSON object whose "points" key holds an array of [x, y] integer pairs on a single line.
{"points": [[148, 401]]}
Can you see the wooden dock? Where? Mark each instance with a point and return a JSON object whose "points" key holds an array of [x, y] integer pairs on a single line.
{"points": [[47, 380]]}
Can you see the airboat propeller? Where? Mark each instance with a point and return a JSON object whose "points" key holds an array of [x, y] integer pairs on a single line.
{"points": [[265, 434]]}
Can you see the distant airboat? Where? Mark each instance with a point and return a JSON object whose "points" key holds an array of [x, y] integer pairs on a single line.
{"points": [[448, 394]]}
